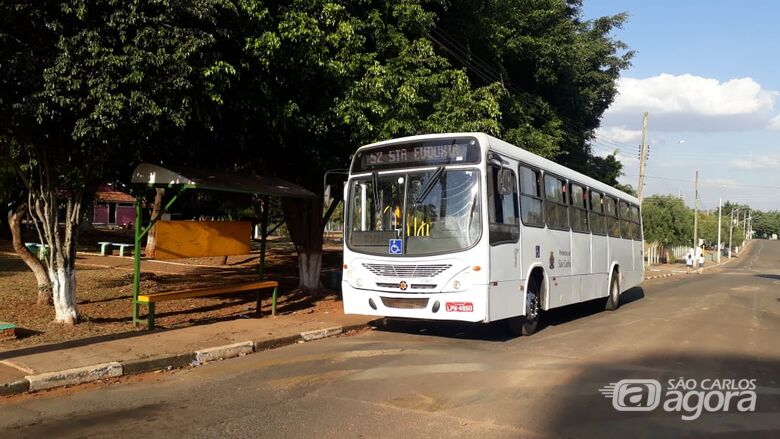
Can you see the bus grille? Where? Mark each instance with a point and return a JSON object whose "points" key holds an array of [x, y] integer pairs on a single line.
{"points": [[391, 270], [411, 286], [404, 303]]}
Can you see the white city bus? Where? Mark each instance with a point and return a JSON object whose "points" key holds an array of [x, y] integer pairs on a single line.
{"points": [[464, 226]]}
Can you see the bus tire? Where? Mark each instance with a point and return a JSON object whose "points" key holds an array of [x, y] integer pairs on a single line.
{"points": [[613, 300], [529, 323]]}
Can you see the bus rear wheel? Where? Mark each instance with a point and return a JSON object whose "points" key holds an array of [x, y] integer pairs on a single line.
{"points": [[613, 301], [529, 323]]}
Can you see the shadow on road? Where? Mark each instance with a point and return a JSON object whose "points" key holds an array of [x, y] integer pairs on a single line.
{"points": [[585, 412], [497, 331]]}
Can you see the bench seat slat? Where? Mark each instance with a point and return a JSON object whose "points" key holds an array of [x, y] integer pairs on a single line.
{"points": [[206, 291]]}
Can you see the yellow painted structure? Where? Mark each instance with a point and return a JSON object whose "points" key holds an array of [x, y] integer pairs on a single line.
{"points": [[198, 239]]}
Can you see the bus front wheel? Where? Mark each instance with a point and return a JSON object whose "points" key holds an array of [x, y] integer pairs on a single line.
{"points": [[528, 324]]}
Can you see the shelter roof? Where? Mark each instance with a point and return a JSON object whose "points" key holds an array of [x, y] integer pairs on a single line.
{"points": [[168, 176]]}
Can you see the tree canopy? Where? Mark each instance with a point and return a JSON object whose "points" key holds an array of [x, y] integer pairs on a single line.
{"points": [[288, 88]]}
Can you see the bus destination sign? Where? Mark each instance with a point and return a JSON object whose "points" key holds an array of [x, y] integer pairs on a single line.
{"points": [[445, 152]]}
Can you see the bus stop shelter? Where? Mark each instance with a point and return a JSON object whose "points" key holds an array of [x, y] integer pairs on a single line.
{"points": [[180, 179]]}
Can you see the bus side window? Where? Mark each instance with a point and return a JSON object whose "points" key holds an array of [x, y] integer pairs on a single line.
{"points": [[626, 226], [531, 209], [503, 215], [610, 211], [597, 222], [556, 209], [636, 219], [579, 212]]}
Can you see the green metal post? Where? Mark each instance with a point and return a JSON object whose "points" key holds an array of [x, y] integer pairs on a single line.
{"points": [[139, 235], [137, 258], [273, 301]]}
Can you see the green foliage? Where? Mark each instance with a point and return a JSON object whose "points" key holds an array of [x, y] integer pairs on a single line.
{"points": [[766, 224], [558, 72], [667, 221], [90, 86]]}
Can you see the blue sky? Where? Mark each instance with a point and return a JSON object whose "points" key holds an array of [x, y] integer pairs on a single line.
{"points": [[708, 72]]}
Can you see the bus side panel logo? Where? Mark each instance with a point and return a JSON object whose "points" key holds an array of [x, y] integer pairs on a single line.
{"points": [[396, 246]]}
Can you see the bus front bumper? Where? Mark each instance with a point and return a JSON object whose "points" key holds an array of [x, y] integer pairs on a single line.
{"points": [[469, 306]]}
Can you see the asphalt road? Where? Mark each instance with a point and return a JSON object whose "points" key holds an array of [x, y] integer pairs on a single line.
{"points": [[444, 380]]}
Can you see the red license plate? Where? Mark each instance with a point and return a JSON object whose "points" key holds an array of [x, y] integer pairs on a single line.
{"points": [[459, 307]]}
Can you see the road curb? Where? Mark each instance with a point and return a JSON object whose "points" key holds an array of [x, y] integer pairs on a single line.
{"points": [[224, 352], [13, 387], [70, 377], [318, 334], [157, 363], [80, 375]]}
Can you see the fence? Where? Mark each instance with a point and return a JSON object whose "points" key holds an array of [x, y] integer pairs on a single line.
{"points": [[657, 254]]}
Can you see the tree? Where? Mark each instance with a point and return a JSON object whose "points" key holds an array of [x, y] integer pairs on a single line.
{"points": [[321, 78], [766, 224], [667, 221], [559, 71], [86, 88]]}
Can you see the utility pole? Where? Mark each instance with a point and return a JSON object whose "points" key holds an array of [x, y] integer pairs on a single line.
{"points": [[696, 221], [642, 159], [720, 208], [731, 226]]}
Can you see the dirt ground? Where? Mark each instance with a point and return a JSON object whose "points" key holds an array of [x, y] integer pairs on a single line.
{"points": [[104, 293]]}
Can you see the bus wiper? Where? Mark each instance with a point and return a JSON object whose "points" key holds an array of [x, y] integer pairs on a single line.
{"points": [[375, 188], [429, 185]]}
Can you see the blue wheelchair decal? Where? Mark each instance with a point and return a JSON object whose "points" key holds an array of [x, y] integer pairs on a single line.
{"points": [[396, 246]]}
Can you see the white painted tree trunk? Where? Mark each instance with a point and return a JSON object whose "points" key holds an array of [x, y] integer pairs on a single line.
{"points": [[63, 283]]}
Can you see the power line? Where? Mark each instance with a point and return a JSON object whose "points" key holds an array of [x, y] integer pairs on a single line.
{"points": [[479, 67]]}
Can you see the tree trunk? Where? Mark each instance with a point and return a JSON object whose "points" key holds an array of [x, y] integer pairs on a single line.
{"points": [[151, 237], [63, 279], [60, 261], [36, 266], [304, 222]]}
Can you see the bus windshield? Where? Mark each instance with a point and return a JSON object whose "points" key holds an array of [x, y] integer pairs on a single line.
{"points": [[432, 211]]}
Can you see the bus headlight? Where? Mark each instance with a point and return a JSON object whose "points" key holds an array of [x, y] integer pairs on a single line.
{"points": [[359, 282], [350, 273], [459, 283]]}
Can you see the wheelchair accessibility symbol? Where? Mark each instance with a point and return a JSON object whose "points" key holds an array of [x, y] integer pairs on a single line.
{"points": [[396, 246]]}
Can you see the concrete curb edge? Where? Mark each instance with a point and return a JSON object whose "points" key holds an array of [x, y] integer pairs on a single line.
{"points": [[80, 375]]}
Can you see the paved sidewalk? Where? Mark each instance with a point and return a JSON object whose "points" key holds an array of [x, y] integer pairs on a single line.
{"points": [[78, 361], [666, 270]]}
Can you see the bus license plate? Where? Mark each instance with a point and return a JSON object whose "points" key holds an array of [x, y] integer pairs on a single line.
{"points": [[459, 307]]}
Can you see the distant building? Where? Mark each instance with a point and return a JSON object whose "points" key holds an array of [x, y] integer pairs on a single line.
{"points": [[113, 208]]}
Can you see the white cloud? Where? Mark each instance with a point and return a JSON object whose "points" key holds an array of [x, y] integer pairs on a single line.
{"points": [[619, 134], [720, 182], [774, 123], [758, 162], [692, 103]]}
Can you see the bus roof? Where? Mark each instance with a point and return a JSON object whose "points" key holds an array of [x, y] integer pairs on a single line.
{"points": [[522, 155]]}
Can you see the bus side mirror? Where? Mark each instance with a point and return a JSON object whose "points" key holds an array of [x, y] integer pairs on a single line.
{"points": [[505, 182], [333, 191]]}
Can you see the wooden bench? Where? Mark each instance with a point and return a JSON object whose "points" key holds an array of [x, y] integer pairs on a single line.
{"points": [[151, 299]]}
